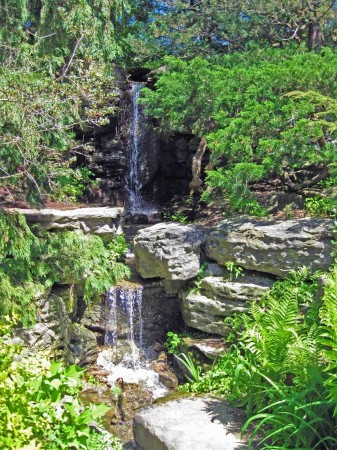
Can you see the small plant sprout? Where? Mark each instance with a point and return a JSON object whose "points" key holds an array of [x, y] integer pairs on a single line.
{"points": [[234, 271], [193, 369]]}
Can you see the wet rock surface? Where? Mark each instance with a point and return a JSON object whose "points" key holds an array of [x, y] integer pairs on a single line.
{"points": [[189, 423], [273, 247], [124, 401], [169, 250]]}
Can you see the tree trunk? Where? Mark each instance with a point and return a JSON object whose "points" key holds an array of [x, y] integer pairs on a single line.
{"points": [[196, 183], [315, 36], [324, 173]]}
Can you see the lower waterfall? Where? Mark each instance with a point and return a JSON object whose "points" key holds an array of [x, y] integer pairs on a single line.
{"points": [[124, 355]]}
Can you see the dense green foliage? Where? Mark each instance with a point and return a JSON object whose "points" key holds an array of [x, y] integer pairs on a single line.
{"points": [[281, 365], [31, 264], [253, 128], [255, 80], [55, 75], [40, 406], [187, 28]]}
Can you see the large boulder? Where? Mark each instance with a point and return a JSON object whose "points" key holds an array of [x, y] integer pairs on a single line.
{"points": [[206, 308], [273, 247], [169, 250], [104, 222], [189, 423]]}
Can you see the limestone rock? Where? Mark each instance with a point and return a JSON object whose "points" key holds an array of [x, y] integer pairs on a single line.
{"points": [[95, 317], [217, 299], [55, 331], [169, 250], [214, 270], [173, 287], [189, 423], [104, 222], [273, 247], [38, 337], [210, 348]]}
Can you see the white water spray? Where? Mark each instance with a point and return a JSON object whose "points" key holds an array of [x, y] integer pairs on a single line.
{"points": [[124, 333]]}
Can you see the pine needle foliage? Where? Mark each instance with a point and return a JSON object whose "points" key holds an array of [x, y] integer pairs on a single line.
{"points": [[31, 264], [240, 105], [55, 76]]}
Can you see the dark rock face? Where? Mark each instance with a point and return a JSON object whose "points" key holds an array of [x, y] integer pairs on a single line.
{"points": [[161, 312], [165, 162], [174, 168], [107, 159]]}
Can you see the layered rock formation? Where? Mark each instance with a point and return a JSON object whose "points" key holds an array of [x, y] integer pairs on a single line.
{"points": [[103, 221], [273, 247], [267, 250], [57, 330], [217, 298]]}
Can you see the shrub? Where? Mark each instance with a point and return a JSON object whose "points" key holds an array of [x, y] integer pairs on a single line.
{"points": [[40, 407], [30, 264]]}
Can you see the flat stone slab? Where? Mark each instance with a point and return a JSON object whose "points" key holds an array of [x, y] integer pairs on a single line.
{"points": [[102, 221], [189, 424], [274, 247]]}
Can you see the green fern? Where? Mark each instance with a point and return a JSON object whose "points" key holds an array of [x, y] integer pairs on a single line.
{"points": [[328, 337]]}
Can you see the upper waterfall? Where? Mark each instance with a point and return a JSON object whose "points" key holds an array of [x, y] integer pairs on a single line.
{"points": [[142, 155]]}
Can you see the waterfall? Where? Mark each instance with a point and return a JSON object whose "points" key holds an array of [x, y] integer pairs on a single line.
{"points": [[134, 183], [124, 321], [123, 357], [143, 151]]}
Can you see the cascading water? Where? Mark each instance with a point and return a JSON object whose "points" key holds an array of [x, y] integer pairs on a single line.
{"points": [[134, 181], [143, 155], [124, 357], [125, 319]]}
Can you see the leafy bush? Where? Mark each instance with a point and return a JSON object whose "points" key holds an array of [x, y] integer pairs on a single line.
{"points": [[321, 206], [175, 217], [40, 407], [233, 185], [73, 184], [173, 342], [233, 271]]}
